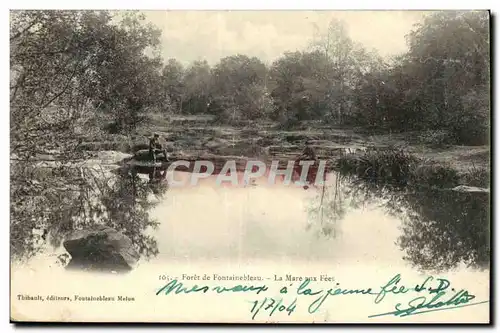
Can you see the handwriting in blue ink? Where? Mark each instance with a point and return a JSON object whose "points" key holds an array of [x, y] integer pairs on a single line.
{"points": [[323, 294], [435, 300], [272, 305], [433, 294], [179, 288]]}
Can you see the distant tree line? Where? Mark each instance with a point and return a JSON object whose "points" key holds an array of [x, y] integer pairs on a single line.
{"points": [[114, 68], [441, 83]]}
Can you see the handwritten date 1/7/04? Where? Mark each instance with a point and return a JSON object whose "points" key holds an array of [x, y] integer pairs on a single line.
{"points": [[273, 306]]}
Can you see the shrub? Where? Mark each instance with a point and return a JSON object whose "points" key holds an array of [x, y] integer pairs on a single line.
{"points": [[437, 137], [434, 175], [476, 176], [392, 166]]}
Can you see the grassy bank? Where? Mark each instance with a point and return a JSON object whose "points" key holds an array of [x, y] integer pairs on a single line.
{"points": [[400, 169]]}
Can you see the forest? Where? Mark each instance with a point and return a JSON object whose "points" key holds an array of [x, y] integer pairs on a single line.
{"points": [[81, 77], [114, 70]]}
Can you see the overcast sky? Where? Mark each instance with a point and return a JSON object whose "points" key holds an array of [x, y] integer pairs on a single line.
{"points": [[210, 35]]}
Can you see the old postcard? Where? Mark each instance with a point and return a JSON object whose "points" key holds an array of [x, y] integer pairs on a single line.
{"points": [[250, 166]]}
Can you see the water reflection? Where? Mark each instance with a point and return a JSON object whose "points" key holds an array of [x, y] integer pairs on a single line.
{"points": [[445, 228], [440, 228], [281, 223], [428, 228], [329, 207], [347, 220], [98, 199]]}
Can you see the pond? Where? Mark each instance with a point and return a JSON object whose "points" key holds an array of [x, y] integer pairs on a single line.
{"points": [[344, 221], [357, 234], [349, 218]]}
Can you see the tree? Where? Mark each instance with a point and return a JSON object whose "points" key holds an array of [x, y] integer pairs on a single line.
{"points": [[173, 84], [448, 59], [68, 67], [129, 84], [197, 83], [239, 88], [300, 87], [339, 51], [440, 85]]}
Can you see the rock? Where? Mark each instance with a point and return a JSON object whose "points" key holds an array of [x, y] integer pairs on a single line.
{"points": [[140, 146], [170, 146], [111, 157], [101, 249], [465, 188], [213, 144], [144, 156]]}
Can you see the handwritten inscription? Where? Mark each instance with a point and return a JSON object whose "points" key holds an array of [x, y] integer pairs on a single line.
{"points": [[272, 305], [302, 293], [178, 288], [438, 297]]}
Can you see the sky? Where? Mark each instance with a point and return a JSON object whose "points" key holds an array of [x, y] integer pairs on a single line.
{"points": [[211, 35]]}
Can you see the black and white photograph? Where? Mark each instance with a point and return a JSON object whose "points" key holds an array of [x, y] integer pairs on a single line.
{"points": [[250, 166]]}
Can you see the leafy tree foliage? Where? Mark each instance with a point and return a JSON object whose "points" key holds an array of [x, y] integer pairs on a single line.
{"points": [[440, 85], [69, 69], [239, 88], [197, 88], [173, 86]]}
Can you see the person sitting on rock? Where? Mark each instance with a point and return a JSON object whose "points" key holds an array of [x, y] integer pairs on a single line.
{"points": [[155, 146], [308, 154]]}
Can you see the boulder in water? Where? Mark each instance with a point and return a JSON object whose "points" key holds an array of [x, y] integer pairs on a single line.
{"points": [[101, 249], [111, 156], [144, 156], [465, 188]]}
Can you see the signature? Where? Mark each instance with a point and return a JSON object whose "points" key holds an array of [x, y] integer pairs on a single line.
{"points": [[458, 300], [442, 297], [433, 294]]}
